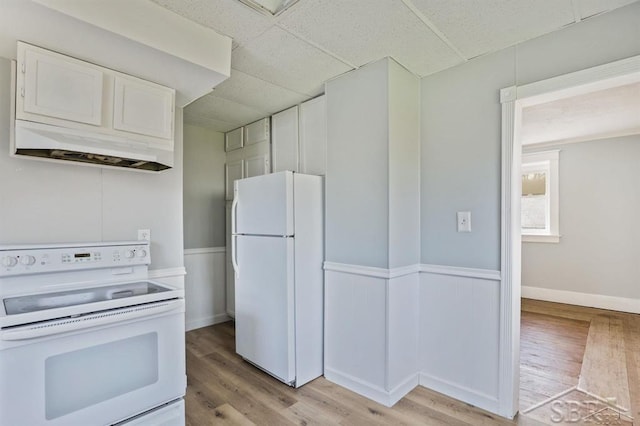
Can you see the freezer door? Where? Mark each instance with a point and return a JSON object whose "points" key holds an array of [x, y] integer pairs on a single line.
{"points": [[265, 304], [264, 205]]}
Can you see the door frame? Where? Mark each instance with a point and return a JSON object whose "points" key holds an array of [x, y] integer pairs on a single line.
{"points": [[513, 99]]}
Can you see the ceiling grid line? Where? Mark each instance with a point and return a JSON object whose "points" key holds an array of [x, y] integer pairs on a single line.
{"points": [[317, 46], [280, 61], [264, 81], [433, 28]]}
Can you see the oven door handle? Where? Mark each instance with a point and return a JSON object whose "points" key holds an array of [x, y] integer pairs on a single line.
{"points": [[50, 328]]}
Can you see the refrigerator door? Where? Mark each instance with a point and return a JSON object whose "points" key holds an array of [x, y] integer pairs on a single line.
{"points": [[265, 323], [264, 205]]}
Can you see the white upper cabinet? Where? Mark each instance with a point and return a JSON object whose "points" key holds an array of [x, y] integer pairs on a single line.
{"points": [[57, 86], [285, 140], [233, 139], [257, 165], [65, 92], [313, 136], [143, 107], [233, 171], [256, 132]]}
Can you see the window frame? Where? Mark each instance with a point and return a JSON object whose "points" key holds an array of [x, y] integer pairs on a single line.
{"points": [[548, 162]]}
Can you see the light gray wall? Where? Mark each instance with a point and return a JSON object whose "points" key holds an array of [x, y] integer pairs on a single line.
{"points": [[460, 156], [204, 214], [599, 200], [44, 202], [460, 130], [357, 209], [404, 167]]}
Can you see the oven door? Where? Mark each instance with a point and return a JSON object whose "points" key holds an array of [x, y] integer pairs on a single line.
{"points": [[95, 376]]}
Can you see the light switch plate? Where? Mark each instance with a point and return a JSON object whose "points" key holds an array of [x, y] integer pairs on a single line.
{"points": [[464, 221]]}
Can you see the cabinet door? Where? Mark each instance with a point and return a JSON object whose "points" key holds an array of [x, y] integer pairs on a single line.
{"points": [[143, 107], [313, 137], [256, 166], [61, 87], [233, 171], [233, 140], [285, 140], [256, 132]]}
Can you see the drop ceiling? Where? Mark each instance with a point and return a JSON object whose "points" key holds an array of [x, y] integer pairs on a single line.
{"points": [[597, 115], [279, 61]]}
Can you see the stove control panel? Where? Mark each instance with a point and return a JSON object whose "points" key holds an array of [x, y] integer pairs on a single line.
{"points": [[17, 260]]}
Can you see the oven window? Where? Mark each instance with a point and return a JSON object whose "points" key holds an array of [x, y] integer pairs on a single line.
{"points": [[82, 378]]}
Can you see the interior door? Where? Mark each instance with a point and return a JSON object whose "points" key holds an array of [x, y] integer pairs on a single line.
{"points": [[264, 205], [265, 304]]}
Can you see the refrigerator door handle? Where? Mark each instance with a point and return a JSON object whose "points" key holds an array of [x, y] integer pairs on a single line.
{"points": [[234, 260]]}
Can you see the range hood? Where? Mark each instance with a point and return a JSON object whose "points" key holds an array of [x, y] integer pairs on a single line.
{"points": [[56, 143]]}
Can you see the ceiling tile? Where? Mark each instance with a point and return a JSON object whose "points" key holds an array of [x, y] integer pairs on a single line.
{"points": [[478, 27], [223, 109], [363, 31], [228, 17], [283, 59], [593, 7], [603, 113], [259, 94], [209, 123]]}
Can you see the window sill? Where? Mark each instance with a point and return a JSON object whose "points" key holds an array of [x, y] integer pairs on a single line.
{"points": [[529, 238]]}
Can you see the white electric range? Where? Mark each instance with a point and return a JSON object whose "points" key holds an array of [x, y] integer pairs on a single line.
{"points": [[87, 339]]}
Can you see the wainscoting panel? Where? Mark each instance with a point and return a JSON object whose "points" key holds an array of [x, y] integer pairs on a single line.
{"points": [[460, 333], [355, 330], [371, 330], [205, 287], [403, 320]]}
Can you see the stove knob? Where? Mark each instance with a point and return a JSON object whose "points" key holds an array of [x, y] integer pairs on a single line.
{"points": [[141, 253], [129, 254], [27, 260], [9, 261]]}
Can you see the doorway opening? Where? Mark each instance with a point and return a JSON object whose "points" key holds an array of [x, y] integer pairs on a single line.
{"points": [[514, 101]]}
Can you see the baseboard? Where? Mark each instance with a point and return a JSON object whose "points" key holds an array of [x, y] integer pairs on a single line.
{"points": [[207, 321], [399, 392], [613, 303], [369, 390], [469, 396]]}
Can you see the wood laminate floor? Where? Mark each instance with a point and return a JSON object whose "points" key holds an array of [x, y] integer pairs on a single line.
{"points": [[562, 347]]}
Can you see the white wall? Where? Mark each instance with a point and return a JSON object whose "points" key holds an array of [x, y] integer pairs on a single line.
{"points": [[204, 227], [461, 127], [460, 170], [404, 167], [372, 240], [357, 204], [599, 200], [204, 214], [42, 202]]}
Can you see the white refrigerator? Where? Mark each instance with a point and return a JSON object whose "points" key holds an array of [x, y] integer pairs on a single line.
{"points": [[277, 255]]}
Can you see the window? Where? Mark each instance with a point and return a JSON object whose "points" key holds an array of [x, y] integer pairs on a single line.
{"points": [[540, 195]]}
